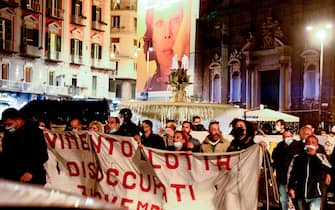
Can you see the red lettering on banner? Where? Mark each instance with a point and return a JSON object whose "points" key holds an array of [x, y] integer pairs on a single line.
{"points": [[72, 168], [206, 163], [141, 205], [155, 207], [142, 180], [125, 183], [70, 137], [150, 160], [160, 186], [188, 160], [52, 142], [83, 188], [178, 187], [126, 153], [167, 161], [84, 168], [225, 162], [111, 144], [126, 200], [190, 187], [84, 143], [109, 175], [92, 170]]}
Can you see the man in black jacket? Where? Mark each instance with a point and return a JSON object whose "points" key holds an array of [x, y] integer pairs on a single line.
{"points": [[308, 173], [149, 139], [24, 150]]}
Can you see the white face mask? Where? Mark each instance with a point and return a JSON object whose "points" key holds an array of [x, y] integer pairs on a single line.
{"points": [[11, 129], [177, 144], [288, 140], [310, 147]]}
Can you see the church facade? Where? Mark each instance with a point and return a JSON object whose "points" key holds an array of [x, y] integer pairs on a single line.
{"points": [[250, 53]]}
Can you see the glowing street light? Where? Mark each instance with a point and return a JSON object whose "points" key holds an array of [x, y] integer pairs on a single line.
{"points": [[322, 33]]}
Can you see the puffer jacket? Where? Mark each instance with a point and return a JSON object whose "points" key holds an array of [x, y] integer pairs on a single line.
{"points": [[307, 175]]}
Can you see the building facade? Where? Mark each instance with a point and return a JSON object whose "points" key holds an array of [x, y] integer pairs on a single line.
{"points": [[56, 48], [250, 53], [123, 48]]}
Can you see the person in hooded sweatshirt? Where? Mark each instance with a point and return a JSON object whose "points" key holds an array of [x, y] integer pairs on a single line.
{"points": [[243, 135]]}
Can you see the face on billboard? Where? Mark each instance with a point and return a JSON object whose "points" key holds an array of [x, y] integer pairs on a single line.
{"points": [[164, 26]]}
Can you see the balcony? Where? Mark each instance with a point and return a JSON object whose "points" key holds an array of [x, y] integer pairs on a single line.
{"points": [[8, 3], [55, 13], [74, 90], [76, 59], [32, 51], [6, 46], [99, 25], [54, 56], [18, 86], [126, 7], [33, 6], [79, 20]]}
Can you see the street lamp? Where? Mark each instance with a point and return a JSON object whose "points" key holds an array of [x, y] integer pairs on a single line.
{"points": [[321, 33]]}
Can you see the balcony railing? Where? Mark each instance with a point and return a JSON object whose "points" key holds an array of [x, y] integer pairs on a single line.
{"points": [[54, 55], [27, 87], [8, 3], [6, 45], [99, 25], [79, 20], [55, 12], [32, 51], [76, 59]]}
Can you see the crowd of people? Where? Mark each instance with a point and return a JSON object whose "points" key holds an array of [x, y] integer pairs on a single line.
{"points": [[303, 166]]}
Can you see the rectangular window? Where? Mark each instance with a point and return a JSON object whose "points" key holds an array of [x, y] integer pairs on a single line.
{"points": [[96, 13], [96, 51], [54, 42], [77, 7], [94, 85], [51, 77], [111, 85], [135, 24], [76, 47], [116, 21], [5, 71], [30, 36], [118, 90], [27, 74], [5, 33]]}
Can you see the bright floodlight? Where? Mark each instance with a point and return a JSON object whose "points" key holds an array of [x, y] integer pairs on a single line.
{"points": [[321, 34], [329, 25], [151, 49]]}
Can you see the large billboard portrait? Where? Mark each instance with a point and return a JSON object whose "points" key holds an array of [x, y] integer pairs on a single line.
{"points": [[164, 41]]}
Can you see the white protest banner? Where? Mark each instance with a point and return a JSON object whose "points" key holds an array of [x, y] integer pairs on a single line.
{"points": [[114, 169]]}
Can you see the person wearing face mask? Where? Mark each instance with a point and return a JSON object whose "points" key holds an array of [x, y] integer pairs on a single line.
{"points": [[243, 135], [24, 149], [128, 128], [214, 142], [179, 141], [282, 156], [309, 172]]}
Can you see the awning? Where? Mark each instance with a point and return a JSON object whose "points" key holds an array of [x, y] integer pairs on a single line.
{"points": [[268, 115]]}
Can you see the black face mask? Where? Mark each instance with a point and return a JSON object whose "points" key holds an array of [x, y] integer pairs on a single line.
{"points": [[238, 132]]}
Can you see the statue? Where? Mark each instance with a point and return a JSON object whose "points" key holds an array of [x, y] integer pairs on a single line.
{"points": [[179, 80]]}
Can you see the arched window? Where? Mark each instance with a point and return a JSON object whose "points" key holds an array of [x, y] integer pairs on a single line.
{"points": [[216, 88], [235, 95], [311, 83]]}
